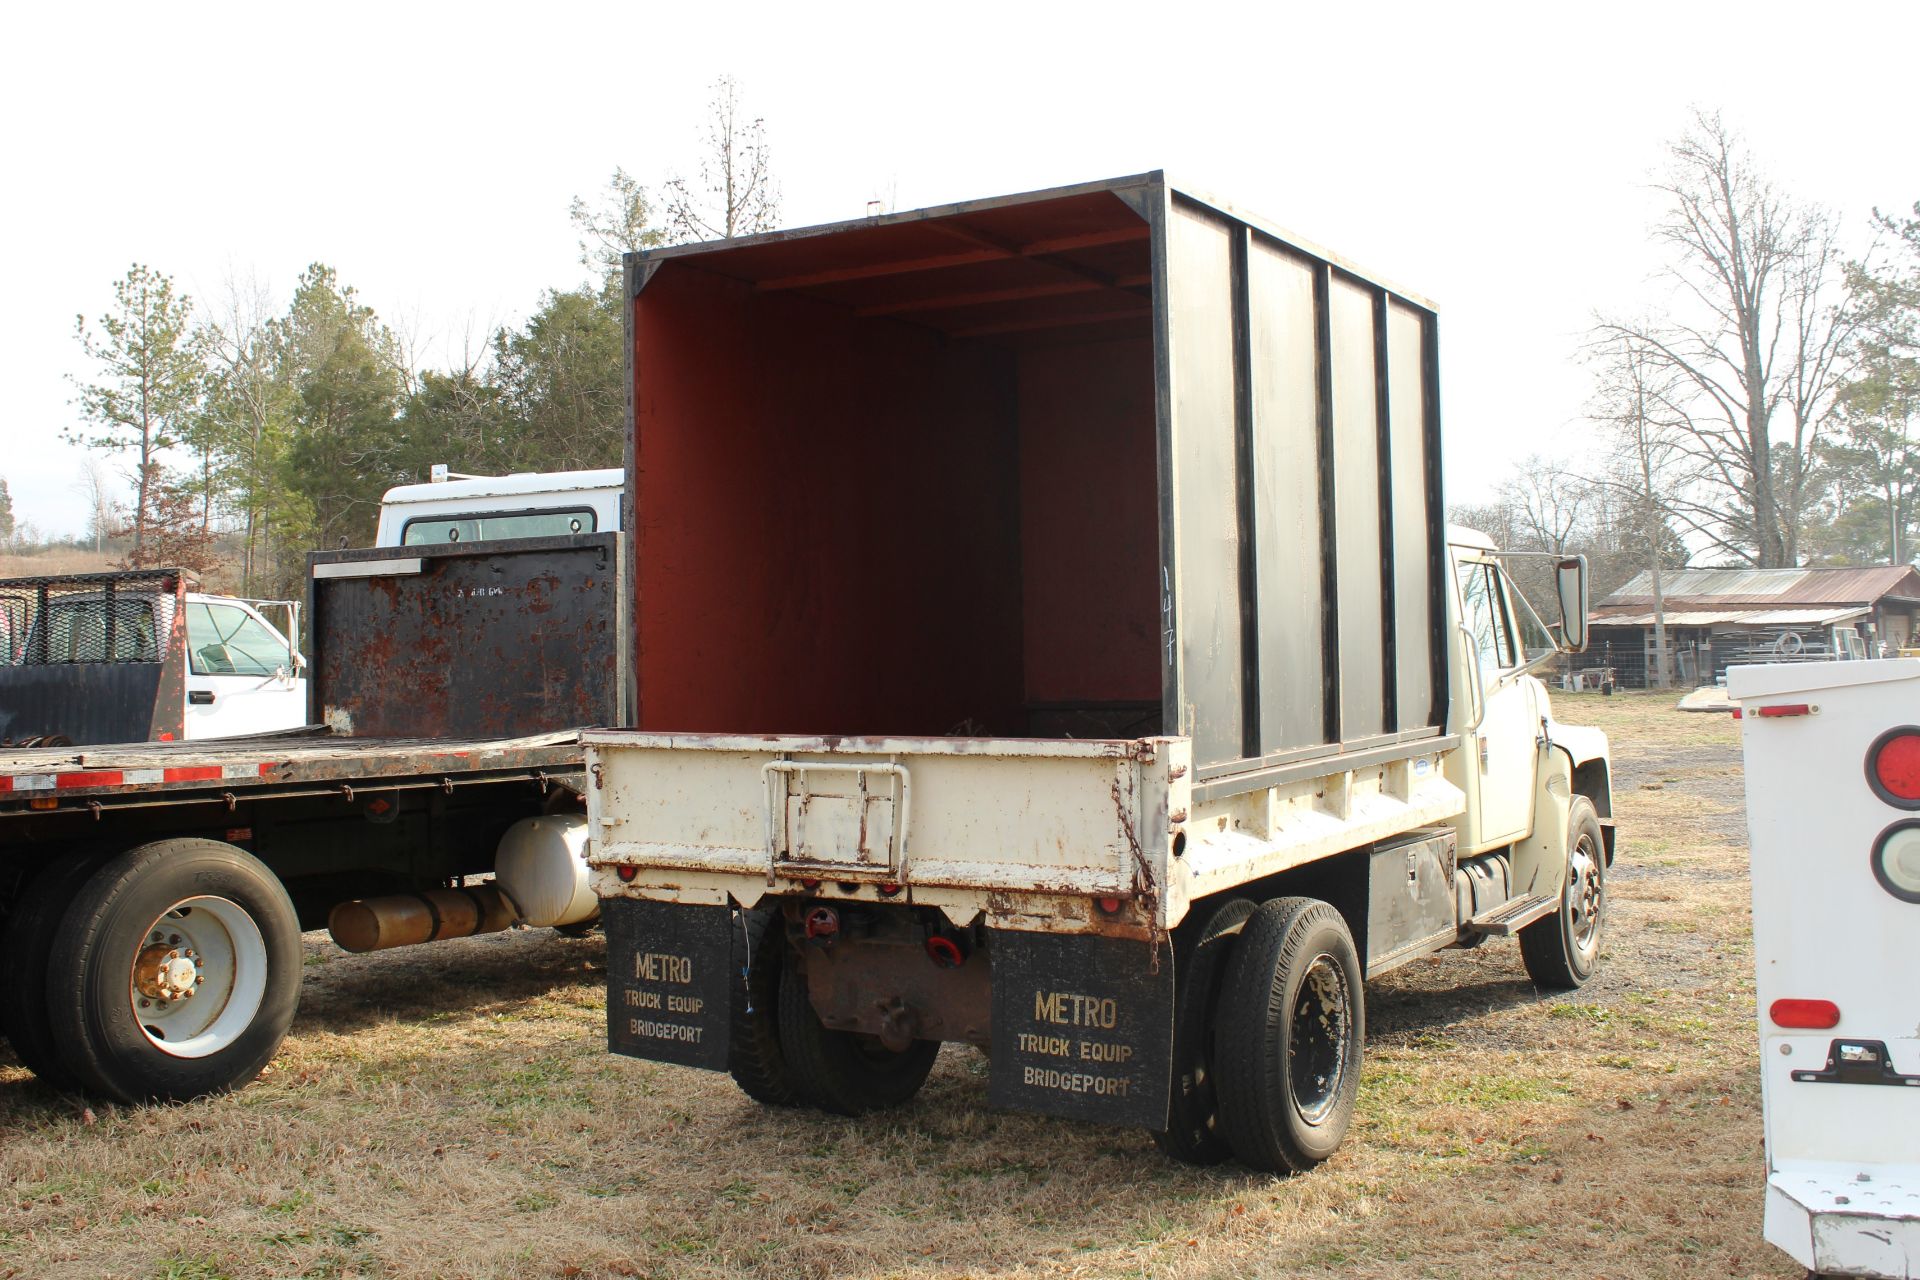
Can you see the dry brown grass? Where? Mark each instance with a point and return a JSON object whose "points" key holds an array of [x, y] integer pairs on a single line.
{"points": [[452, 1112], [55, 562]]}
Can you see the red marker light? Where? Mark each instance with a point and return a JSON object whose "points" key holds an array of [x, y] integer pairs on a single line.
{"points": [[1109, 905], [1893, 766], [627, 873], [1779, 709], [1811, 1015]]}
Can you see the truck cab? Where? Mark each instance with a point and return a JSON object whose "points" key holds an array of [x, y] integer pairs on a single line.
{"points": [[139, 656]]}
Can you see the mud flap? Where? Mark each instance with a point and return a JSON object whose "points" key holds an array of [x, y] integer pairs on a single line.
{"points": [[669, 981], [1082, 1027]]}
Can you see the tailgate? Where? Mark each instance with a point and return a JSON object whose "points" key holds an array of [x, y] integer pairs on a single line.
{"points": [[955, 822]]}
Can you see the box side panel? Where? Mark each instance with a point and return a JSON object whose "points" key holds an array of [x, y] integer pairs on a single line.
{"points": [[1201, 308], [1287, 516], [1413, 478], [1357, 525]]}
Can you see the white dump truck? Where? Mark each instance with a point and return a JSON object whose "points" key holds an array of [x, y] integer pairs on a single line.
{"points": [[1046, 637], [1833, 812]]}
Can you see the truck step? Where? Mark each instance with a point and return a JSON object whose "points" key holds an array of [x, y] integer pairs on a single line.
{"points": [[1509, 919]]}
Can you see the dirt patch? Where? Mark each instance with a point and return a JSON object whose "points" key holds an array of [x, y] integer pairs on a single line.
{"points": [[452, 1111]]}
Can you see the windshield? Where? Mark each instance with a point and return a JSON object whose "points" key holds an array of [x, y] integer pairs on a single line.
{"points": [[426, 530], [1535, 640]]}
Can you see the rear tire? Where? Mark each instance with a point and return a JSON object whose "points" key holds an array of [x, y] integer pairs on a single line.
{"points": [[23, 958], [840, 1071], [1193, 1132], [1562, 950], [176, 972], [754, 1058], [1287, 1049]]}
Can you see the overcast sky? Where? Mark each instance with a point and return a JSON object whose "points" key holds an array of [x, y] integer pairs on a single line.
{"points": [[1494, 159]]}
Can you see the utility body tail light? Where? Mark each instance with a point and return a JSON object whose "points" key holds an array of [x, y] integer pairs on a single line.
{"points": [[1893, 767], [1808, 1015]]}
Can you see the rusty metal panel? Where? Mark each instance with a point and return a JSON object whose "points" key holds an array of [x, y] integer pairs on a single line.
{"points": [[503, 638]]}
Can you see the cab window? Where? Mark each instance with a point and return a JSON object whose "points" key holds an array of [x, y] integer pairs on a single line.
{"points": [[427, 530], [1486, 620], [223, 640]]}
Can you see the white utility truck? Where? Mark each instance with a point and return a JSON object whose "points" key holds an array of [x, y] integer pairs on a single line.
{"points": [[451, 507], [1833, 811], [1046, 636]]}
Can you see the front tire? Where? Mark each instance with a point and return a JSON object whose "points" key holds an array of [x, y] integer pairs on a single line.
{"points": [[840, 1071], [1562, 950], [176, 972], [1287, 1049]]}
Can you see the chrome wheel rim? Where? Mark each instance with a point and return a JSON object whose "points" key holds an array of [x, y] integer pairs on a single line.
{"points": [[198, 977], [1585, 896]]}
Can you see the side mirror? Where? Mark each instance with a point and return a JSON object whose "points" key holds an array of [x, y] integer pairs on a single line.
{"points": [[1571, 579]]}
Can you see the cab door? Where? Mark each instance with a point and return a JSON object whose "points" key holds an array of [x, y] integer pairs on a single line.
{"points": [[242, 675], [1503, 751]]}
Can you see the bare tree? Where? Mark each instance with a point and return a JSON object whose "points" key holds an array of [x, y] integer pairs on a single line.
{"points": [[248, 407], [1635, 389], [104, 510], [736, 194], [1755, 332]]}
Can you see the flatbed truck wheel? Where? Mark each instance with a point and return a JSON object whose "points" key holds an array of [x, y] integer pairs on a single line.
{"points": [[840, 1071], [1193, 1132], [176, 972], [754, 1057], [1562, 950], [23, 959], [1288, 1039]]}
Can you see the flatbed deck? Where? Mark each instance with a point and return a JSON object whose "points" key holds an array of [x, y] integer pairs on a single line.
{"points": [[42, 779]]}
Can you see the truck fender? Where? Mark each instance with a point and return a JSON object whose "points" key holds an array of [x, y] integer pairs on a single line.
{"points": [[1587, 750]]}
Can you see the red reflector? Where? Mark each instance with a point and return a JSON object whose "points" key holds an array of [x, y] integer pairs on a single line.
{"points": [[1736, 713], [626, 873], [1814, 1015], [1110, 905], [1784, 709], [1896, 763]]}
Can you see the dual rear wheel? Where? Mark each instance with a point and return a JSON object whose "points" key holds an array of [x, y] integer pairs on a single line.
{"points": [[167, 972]]}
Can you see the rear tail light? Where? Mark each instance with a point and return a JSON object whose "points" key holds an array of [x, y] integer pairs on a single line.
{"points": [[1809, 1015], [626, 873], [1893, 767]]}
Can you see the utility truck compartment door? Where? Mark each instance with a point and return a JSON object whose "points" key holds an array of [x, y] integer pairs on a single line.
{"points": [[1082, 1027]]}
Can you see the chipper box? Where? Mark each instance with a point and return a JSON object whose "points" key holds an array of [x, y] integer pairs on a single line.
{"points": [[1046, 637]]}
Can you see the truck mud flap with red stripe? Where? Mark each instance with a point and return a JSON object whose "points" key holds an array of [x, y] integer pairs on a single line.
{"points": [[669, 971], [1082, 1027]]}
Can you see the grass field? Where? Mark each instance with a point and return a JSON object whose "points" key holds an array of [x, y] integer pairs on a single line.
{"points": [[451, 1111]]}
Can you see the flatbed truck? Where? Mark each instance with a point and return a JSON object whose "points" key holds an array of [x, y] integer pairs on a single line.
{"points": [[152, 894]]}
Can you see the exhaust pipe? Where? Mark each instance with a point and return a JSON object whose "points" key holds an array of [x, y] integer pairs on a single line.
{"points": [[406, 919]]}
